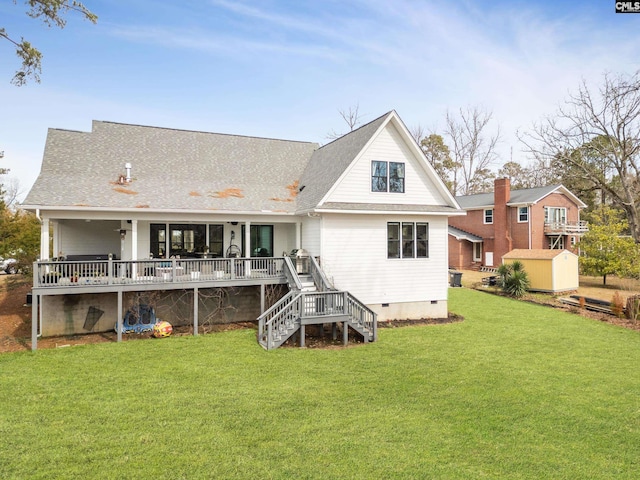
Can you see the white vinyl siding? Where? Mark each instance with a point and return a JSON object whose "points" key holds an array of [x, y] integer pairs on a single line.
{"points": [[389, 147], [311, 227], [355, 258]]}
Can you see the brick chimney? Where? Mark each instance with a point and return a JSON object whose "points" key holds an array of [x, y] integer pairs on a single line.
{"points": [[501, 225]]}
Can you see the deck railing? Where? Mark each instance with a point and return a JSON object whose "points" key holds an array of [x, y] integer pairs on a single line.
{"points": [[566, 228], [120, 272], [279, 320], [362, 315], [284, 318], [319, 278]]}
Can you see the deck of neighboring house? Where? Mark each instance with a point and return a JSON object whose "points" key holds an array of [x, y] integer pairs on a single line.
{"points": [[310, 300]]}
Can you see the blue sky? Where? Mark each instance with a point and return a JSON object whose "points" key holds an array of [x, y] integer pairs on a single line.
{"points": [[284, 69]]}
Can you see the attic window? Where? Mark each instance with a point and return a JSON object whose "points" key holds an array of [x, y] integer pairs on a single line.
{"points": [[387, 176]]}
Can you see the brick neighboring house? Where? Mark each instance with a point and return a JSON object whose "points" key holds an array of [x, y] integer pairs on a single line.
{"points": [[498, 222]]}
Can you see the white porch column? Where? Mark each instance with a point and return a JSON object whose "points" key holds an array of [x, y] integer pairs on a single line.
{"points": [[134, 239], [55, 226], [298, 235], [44, 239], [247, 239], [247, 247]]}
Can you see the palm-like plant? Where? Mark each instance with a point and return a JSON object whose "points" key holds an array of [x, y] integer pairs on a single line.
{"points": [[513, 279]]}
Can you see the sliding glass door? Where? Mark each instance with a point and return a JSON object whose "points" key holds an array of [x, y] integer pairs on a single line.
{"points": [[261, 240]]}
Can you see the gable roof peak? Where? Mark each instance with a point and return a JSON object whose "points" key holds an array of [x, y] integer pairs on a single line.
{"points": [[383, 116]]}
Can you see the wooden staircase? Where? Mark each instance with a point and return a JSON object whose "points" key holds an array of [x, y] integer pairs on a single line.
{"points": [[311, 301]]}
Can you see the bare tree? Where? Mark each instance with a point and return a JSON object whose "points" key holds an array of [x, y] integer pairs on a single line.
{"points": [[418, 132], [11, 191], [595, 137], [351, 117], [473, 149]]}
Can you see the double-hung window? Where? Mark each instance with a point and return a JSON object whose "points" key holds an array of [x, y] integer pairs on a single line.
{"points": [[387, 176], [523, 214], [488, 215], [407, 240]]}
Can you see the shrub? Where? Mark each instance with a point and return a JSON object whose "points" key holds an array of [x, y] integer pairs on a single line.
{"points": [[617, 306], [513, 279], [633, 308]]}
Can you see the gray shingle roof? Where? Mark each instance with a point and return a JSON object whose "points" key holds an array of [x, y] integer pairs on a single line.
{"points": [[197, 171], [518, 197], [171, 169], [462, 235], [330, 161]]}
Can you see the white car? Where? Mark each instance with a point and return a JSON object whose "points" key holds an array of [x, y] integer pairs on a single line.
{"points": [[8, 265]]}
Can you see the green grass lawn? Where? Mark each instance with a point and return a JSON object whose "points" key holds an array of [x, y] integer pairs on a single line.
{"points": [[514, 391]]}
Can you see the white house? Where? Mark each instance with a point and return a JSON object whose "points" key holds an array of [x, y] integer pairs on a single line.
{"points": [[136, 209]]}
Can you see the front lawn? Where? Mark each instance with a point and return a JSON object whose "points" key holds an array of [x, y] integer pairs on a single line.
{"points": [[514, 391]]}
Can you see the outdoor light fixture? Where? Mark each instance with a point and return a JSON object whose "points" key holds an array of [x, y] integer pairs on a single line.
{"points": [[123, 233], [233, 234]]}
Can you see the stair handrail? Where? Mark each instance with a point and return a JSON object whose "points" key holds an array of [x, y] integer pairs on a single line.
{"points": [[362, 315], [291, 274], [275, 314], [319, 278]]}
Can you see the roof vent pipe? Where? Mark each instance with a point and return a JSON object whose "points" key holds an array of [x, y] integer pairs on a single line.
{"points": [[127, 167]]}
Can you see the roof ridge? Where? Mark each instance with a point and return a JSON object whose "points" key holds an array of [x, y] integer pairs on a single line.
{"points": [[204, 132], [552, 186]]}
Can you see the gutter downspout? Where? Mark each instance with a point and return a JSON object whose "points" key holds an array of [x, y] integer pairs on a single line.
{"points": [[529, 224]]}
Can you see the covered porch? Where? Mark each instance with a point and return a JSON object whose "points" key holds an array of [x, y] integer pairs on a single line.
{"points": [[142, 237]]}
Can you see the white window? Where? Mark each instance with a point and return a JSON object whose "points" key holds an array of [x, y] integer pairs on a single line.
{"points": [[555, 215], [488, 215], [407, 240], [523, 214]]}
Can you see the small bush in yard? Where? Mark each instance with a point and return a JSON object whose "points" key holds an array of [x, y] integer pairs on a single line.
{"points": [[633, 308], [582, 302], [617, 306], [513, 279]]}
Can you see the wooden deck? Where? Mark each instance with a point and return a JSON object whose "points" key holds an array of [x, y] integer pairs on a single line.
{"points": [[64, 277]]}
